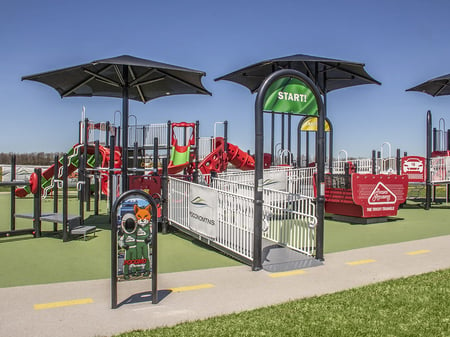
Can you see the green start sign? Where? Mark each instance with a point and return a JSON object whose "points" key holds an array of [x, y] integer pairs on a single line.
{"points": [[290, 95]]}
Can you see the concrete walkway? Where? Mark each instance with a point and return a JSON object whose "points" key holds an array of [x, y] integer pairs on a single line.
{"points": [[82, 309]]}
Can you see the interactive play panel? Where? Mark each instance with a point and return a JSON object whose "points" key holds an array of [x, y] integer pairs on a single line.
{"points": [[365, 195]]}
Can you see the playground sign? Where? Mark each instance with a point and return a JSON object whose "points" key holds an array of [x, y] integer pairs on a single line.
{"points": [[133, 240], [379, 195], [202, 210], [290, 95], [415, 168], [310, 124], [369, 196]]}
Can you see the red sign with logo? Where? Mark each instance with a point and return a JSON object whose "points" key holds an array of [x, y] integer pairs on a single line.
{"points": [[414, 167], [379, 195]]}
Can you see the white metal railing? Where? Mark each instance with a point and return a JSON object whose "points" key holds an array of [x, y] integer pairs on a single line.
{"points": [[282, 178], [289, 219], [179, 202], [364, 165], [233, 187], [289, 211], [248, 177], [387, 165], [145, 134], [96, 131], [235, 223], [301, 181], [234, 227], [205, 147], [440, 169], [286, 157]]}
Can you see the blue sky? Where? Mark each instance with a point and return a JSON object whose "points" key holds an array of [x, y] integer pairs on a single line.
{"points": [[402, 43]]}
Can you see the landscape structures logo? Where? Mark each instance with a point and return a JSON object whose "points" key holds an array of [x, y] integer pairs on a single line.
{"points": [[202, 210]]}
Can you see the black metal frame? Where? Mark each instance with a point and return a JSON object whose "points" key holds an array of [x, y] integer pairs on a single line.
{"points": [[299, 143], [36, 229], [154, 212], [259, 163]]}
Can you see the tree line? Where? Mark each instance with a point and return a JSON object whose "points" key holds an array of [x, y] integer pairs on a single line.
{"points": [[34, 158]]}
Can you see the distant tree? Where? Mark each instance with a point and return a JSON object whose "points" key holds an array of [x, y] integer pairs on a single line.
{"points": [[34, 158]]}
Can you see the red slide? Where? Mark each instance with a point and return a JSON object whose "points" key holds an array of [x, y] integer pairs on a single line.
{"points": [[218, 160]]}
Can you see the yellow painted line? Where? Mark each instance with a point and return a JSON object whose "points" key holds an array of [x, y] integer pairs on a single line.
{"points": [[52, 305], [417, 252], [194, 287], [288, 273], [355, 263]]}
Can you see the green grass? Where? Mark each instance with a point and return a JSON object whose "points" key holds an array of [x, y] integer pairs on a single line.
{"points": [[419, 191], [407, 307]]}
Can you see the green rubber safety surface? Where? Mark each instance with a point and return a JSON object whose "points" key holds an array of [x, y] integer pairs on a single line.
{"points": [[25, 260], [411, 223]]}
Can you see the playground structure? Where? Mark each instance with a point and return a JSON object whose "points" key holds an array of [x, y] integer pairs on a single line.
{"points": [[55, 171], [212, 169], [71, 224], [437, 160], [204, 185], [90, 159], [190, 157], [209, 157], [272, 203]]}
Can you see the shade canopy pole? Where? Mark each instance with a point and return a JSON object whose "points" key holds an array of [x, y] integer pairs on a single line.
{"points": [[125, 130]]}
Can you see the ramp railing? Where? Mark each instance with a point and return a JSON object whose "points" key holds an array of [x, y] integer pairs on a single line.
{"points": [[283, 178], [222, 214], [289, 219], [230, 228]]}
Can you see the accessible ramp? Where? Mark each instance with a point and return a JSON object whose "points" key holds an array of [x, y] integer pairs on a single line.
{"points": [[277, 258]]}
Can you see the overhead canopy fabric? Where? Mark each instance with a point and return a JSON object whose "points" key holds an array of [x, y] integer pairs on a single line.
{"points": [[328, 74], [126, 77], [439, 86], [146, 79]]}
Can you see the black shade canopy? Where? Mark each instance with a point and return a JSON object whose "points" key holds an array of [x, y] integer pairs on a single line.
{"points": [[328, 74], [439, 86], [125, 77], [145, 80]]}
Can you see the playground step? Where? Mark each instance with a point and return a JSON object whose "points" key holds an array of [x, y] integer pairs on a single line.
{"points": [[74, 222], [29, 215], [83, 230]]}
